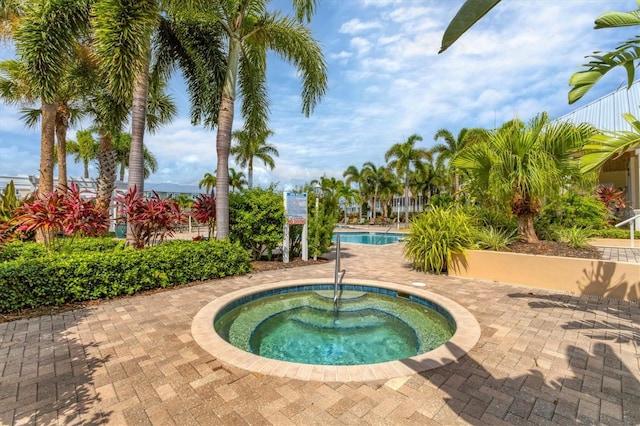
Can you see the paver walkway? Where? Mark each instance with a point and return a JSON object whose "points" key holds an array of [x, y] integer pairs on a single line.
{"points": [[543, 358]]}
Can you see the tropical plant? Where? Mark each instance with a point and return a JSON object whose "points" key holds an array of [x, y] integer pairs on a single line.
{"points": [[572, 208], [204, 211], [404, 158], [612, 198], [84, 149], [60, 212], [122, 147], [354, 175], [348, 196], [8, 203], [490, 238], [452, 146], [44, 41], [250, 145], [151, 220], [435, 236], [236, 180], [257, 220], [373, 180], [574, 236], [251, 32], [519, 165], [208, 181]]}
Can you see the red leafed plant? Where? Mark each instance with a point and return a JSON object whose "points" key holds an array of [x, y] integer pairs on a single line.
{"points": [[60, 213], [204, 210], [151, 219], [612, 198]]}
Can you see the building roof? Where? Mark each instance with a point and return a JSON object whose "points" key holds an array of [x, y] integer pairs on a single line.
{"points": [[606, 113]]}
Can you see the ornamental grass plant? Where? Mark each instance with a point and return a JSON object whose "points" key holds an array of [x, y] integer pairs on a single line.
{"points": [[435, 236]]}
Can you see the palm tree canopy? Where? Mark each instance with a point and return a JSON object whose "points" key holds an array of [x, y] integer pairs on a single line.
{"points": [[208, 181]]}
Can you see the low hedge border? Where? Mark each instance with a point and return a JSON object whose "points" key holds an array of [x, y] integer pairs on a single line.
{"points": [[75, 276]]}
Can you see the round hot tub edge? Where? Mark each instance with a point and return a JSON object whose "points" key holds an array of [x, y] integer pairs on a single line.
{"points": [[464, 339]]}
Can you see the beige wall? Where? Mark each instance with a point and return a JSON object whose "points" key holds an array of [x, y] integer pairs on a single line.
{"points": [[582, 276]]}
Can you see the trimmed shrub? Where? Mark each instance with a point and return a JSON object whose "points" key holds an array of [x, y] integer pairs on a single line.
{"points": [[78, 276], [435, 236], [256, 220]]}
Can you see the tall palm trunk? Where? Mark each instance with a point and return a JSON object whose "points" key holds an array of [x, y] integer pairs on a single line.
{"points": [[86, 168], [250, 173], [107, 172], [223, 145], [223, 140], [47, 142], [136, 154], [62, 124]]}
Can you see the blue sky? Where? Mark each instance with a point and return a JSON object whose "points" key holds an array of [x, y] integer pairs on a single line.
{"points": [[386, 82]]}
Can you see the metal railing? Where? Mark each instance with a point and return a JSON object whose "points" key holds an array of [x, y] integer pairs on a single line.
{"points": [[632, 227], [339, 274]]}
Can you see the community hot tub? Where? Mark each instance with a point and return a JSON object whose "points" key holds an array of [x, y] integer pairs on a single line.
{"points": [[377, 330]]}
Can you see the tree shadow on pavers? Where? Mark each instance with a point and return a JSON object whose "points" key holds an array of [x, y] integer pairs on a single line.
{"points": [[345, 253], [622, 324], [594, 388], [48, 375]]}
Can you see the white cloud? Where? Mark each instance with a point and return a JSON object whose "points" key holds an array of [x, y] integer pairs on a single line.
{"points": [[355, 26]]}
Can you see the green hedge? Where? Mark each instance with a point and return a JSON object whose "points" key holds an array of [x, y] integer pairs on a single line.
{"points": [[30, 249], [78, 276]]}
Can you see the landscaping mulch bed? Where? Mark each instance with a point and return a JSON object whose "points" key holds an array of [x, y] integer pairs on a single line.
{"points": [[554, 248]]}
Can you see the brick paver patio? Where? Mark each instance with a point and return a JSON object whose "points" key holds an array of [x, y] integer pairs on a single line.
{"points": [[543, 358]]}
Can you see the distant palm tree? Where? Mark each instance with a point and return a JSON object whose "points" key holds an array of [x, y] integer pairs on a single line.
{"points": [[84, 149], [250, 145], [236, 180], [452, 146], [354, 175], [208, 181], [349, 195], [405, 157], [374, 179], [122, 147]]}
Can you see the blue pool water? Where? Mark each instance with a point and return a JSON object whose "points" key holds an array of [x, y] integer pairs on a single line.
{"points": [[303, 326], [375, 238]]}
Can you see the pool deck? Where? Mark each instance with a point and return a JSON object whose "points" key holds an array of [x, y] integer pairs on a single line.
{"points": [[543, 358]]}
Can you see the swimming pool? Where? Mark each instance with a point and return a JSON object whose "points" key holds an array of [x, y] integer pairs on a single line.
{"points": [[372, 238]]}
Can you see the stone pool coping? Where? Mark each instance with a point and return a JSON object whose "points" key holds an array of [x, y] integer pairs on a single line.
{"points": [[464, 339]]}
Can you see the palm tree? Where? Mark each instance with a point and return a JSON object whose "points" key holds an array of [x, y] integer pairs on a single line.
{"points": [[355, 175], [452, 146], [208, 181], [405, 157], [84, 149], [236, 180], [250, 145], [251, 32], [521, 164], [348, 195], [374, 179], [44, 40], [122, 147]]}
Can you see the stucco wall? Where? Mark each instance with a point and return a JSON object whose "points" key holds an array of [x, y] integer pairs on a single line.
{"points": [[583, 276]]}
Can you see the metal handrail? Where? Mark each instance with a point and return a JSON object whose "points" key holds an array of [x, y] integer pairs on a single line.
{"points": [[337, 277], [632, 227], [383, 234]]}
